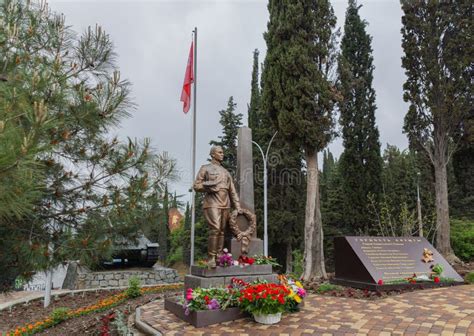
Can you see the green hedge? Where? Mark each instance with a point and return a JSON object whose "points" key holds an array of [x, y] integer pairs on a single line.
{"points": [[462, 238]]}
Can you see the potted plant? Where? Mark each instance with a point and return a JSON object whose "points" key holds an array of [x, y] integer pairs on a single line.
{"points": [[265, 301]]}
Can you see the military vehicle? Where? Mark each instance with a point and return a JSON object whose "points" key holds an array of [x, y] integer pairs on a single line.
{"points": [[141, 252]]}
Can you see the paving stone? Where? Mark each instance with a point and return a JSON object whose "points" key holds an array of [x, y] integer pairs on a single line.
{"points": [[406, 314]]}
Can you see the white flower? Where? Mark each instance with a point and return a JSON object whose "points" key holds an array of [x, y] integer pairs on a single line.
{"points": [[229, 254], [236, 262], [225, 250]]}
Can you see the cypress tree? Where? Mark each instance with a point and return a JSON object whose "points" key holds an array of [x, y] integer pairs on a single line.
{"points": [[174, 202], [438, 63], [187, 236], [331, 205], [299, 96], [285, 188], [360, 162], [254, 106], [463, 169], [328, 166]]}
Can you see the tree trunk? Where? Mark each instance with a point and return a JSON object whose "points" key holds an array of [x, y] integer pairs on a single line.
{"points": [[313, 264], [48, 285], [443, 240], [289, 258]]}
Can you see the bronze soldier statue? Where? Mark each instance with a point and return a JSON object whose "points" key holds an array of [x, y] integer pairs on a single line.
{"points": [[216, 182]]}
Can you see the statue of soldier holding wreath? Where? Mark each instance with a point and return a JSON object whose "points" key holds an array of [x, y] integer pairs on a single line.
{"points": [[217, 184]]}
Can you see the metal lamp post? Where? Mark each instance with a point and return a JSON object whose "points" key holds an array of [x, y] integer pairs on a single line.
{"points": [[265, 210], [418, 205]]}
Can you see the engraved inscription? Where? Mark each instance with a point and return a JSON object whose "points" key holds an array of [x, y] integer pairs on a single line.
{"points": [[389, 256]]}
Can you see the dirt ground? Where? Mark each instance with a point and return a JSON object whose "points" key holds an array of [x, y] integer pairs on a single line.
{"points": [[90, 324]]}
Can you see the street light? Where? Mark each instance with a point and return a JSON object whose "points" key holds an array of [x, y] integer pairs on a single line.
{"points": [[265, 212], [418, 205]]}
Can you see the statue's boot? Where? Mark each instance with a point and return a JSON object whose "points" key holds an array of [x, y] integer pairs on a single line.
{"points": [[220, 243], [212, 250]]}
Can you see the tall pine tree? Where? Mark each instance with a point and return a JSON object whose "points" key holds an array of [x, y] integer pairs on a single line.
{"points": [[360, 162], [436, 39], [230, 122], [299, 96], [68, 189]]}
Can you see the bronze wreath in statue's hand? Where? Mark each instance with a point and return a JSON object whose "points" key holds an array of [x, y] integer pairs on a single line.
{"points": [[235, 228]]}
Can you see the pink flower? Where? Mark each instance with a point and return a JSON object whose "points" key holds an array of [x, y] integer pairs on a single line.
{"points": [[189, 294], [301, 292]]}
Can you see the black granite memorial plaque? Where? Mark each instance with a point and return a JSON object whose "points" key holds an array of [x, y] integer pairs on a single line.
{"points": [[383, 262]]}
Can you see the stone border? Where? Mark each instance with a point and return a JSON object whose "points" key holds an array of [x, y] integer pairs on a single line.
{"points": [[143, 326]]}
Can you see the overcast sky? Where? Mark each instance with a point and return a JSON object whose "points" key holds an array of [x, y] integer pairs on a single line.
{"points": [[152, 39]]}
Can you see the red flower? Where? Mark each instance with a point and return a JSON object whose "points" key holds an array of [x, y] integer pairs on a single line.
{"points": [[436, 279], [380, 282]]}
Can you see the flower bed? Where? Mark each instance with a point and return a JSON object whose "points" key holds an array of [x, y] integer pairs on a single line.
{"points": [[62, 314]]}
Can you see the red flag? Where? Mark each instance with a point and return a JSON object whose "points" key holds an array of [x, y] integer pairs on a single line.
{"points": [[188, 79]]}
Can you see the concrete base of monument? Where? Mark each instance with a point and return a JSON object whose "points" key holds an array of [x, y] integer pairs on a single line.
{"points": [[204, 317], [255, 247], [194, 281], [231, 270], [389, 287]]}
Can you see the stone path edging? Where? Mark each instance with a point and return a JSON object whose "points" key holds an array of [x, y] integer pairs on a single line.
{"points": [[143, 326]]}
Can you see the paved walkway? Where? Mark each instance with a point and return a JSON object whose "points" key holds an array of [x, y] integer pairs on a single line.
{"points": [[13, 298], [442, 311]]}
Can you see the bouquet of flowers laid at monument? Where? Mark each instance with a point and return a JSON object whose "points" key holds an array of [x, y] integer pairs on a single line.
{"points": [[435, 276], [225, 259], [245, 260], [262, 260], [266, 301], [208, 299], [297, 292]]}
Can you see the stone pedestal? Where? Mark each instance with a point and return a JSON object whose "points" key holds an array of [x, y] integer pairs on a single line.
{"points": [[255, 247], [222, 276]]}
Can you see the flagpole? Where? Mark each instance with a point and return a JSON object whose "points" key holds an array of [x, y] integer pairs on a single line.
{"points": [[193, 169]]}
